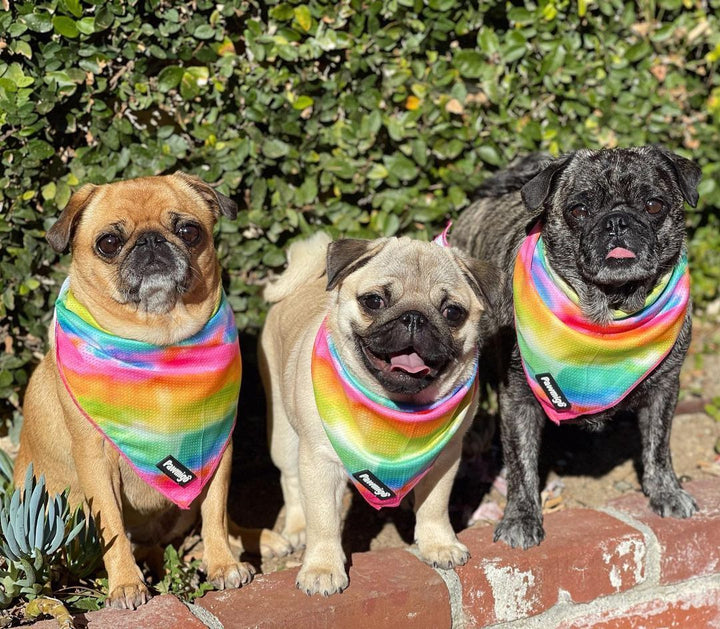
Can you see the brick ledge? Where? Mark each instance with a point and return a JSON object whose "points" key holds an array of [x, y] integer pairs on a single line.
{"points": [[609, 568]]}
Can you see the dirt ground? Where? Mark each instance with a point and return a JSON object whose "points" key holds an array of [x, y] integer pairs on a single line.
{"points": [[579, 468]]}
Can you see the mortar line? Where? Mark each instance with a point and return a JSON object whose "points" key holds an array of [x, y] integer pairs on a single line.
{"points": [[454, 587], [206, 617], [653, 554], [567, 611]]}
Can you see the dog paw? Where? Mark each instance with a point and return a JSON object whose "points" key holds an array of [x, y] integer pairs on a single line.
{"points": [[273, 544], [295, 537], [325, 580], [128, 596], [676, 504], [233, 575], [444, 556], [520, 532]]}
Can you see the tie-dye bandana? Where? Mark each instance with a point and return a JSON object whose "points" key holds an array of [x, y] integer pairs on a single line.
{"points": [[574, 366], [168, 409], [386, 448]]}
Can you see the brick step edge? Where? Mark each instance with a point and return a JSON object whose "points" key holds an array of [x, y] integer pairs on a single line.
{"points": [[617, 567]]}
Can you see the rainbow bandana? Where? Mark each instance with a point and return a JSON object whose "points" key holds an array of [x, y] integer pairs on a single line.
{"points": [[168, 409], [386, 448], [574, 366]]}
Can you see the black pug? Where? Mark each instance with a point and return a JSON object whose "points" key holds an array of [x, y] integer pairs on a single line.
{"points": [[613, 253]]}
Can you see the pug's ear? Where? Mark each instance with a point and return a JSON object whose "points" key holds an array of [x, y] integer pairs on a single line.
{"points": [[687, 174], [536, 191], [346, 256], [219, 203], [63, 230]]}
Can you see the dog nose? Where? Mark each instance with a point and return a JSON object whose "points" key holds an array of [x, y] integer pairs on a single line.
{"points": [[616, 223], [413, 320], [150, 238]]}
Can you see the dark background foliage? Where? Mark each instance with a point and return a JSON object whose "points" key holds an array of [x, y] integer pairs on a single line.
{"points": [[362, 117]]}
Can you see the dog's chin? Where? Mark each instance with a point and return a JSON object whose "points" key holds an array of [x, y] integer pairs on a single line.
{"points": [[616, 272], [402, 372], [612, 264], [155, 292]]}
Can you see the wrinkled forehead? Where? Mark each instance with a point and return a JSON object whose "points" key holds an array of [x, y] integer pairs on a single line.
{"points": [[406, 265], [624, 172], [142, 201]]}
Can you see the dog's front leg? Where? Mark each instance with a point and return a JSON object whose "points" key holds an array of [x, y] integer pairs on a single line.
{"points": [[322, 484], [223, 570], [98, 469], [434, 535], [521, 425], [659, 481]]}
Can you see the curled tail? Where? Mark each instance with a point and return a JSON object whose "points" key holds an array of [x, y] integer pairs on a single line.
{"points": [[306, 262]]}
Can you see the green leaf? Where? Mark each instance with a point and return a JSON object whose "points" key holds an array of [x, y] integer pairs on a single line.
{"points": [[302, 102], [194, 79], [23, 48], [303, 17], [48, 190], [515, 47], [204, 31], [275, 148], [39, 22], [170, 78], [104, 17], [400, 166], [469, 63], [377, 171], [74, 7], [65, 26], [86, 25], [488, 41], [489, 154]]}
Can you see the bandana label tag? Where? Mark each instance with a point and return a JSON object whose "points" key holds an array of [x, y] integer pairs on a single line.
{"points": [[176, 471], [553, 391], [374, 484]]}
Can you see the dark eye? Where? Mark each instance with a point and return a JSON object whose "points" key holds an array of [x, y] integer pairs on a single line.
{"points": [[454, 314], [372, 301], [108, 245], [654, 206], [579, 211], [189, 232]]}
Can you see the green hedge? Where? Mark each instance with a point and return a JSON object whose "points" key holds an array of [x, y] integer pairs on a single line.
{"points": [[358, 116]]}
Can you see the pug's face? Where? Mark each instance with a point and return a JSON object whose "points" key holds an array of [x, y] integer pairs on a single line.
{"points": [[142, 248], [405, 314], [614, 221]]}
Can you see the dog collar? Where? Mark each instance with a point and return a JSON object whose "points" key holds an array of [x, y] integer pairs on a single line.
{"points": [[168, 409], [577, 367], [386, 448]]}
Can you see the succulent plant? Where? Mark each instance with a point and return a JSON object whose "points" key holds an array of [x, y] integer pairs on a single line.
{"points": [[32, 523], [40, 539], [6, 472]]}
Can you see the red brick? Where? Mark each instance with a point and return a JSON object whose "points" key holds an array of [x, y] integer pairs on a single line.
{"points": [[388, 588], [585, 553], [161, 612], [697, 610], [689, 547]]}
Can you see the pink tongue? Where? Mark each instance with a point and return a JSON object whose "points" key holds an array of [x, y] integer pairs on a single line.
{"points": [[411, 363], [620, 252]]}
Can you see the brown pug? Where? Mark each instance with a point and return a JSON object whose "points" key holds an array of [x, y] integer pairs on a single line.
{"points": [[402, 317], [144, 266]]}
